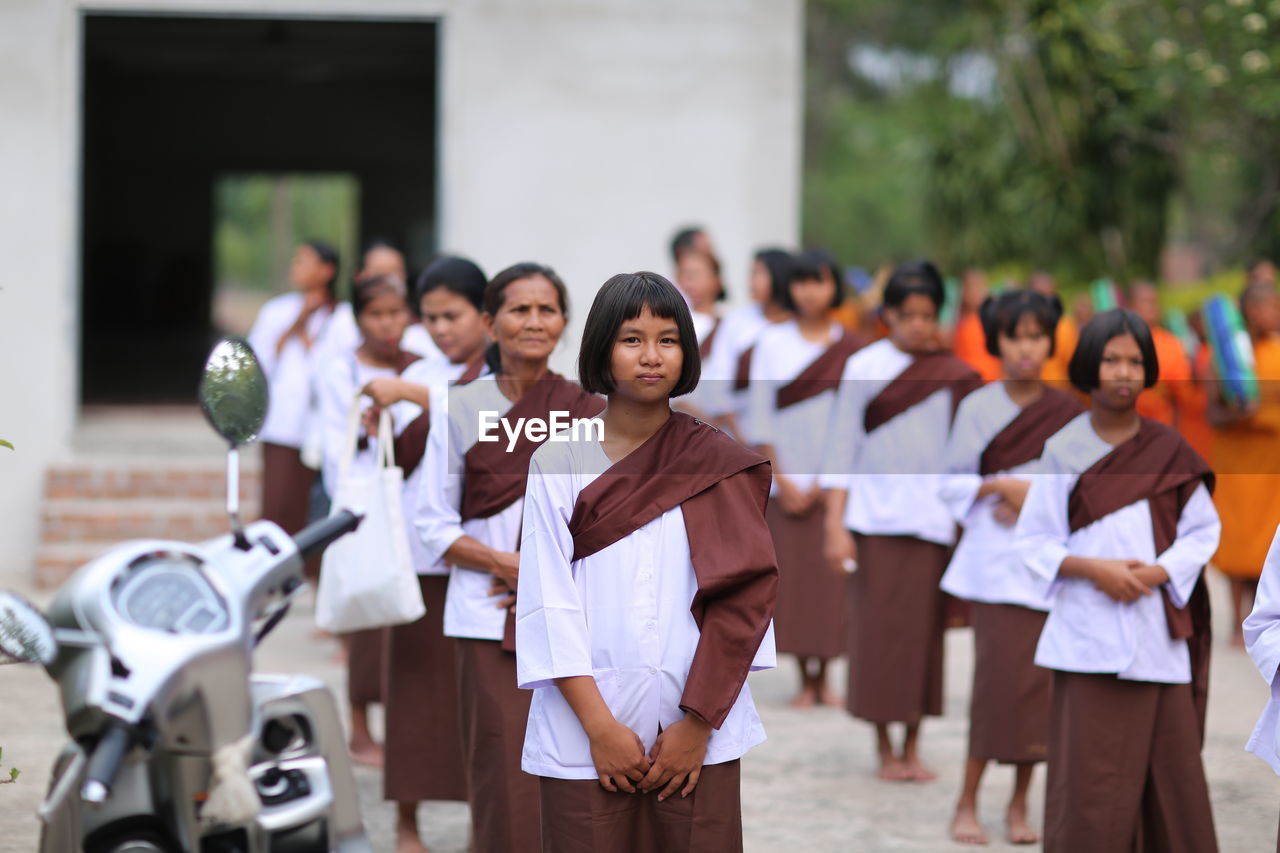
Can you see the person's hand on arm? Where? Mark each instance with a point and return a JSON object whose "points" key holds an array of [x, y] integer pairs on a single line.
{"points": [[467, 552], [1117, 579], [386, 390], [616, 751]]}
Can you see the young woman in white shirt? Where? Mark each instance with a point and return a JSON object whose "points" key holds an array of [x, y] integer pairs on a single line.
{"points": [[888, 435], [646, 594], [995, 450], [1118, 526], [289, 332], [795, 373], [381, 314], [423, 754]]}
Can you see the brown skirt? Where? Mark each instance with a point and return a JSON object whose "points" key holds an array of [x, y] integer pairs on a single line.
{"points": [[364, 665], [1125, 773], [579, 816], [420, 689], [286, 493], [809, 619], [895, 629], [504, 799], [1009, 708]]}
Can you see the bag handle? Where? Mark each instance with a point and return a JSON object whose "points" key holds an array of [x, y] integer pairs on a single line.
{"points": [[349, 444], [386, 441]]}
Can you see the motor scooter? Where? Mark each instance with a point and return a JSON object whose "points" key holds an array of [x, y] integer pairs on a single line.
{"points": [[175, 745]]}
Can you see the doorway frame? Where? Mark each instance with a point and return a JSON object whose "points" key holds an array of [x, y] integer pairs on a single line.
{"points": [[76, 11]]}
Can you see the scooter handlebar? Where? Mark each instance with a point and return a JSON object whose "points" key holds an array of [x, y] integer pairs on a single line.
{"points": [[315, 537], [113, 745]]}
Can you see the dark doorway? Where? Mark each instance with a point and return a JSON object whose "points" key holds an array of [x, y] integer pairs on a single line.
{"points": [[170, 103]]}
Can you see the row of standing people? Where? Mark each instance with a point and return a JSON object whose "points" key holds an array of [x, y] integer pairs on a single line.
{"points": [[887, 403], [1084, 588]]}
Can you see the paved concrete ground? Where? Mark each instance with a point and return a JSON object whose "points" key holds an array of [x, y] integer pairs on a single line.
{"points": [[811, 786]]}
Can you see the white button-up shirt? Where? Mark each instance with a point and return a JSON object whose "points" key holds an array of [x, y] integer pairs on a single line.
{"points": [[435, 374], [985, 566], [1262, 639], [620, 615], [1088, 631], [894, 475], [797, 433], [469, 610]]}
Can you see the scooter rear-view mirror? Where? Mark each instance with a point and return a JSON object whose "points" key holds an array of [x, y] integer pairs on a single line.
{"points": [[233, 396], [25, 635]]}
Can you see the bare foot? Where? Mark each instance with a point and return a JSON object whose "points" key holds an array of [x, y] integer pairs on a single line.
{"points": [[367, 754], [409, 842], [1020, 832], [806, 698], [892, 769], [831, 698], [965, 827], [916, 771]]}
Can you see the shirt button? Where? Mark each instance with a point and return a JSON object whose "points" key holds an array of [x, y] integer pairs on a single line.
{"points": [[653, 670], [652, 623]]}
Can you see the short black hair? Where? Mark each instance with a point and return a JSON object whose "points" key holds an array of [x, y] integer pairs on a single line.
{"points": [[915, 278], [778, 263], [684, 241], [805, 268], [1000, 314], [455, 274], [810, 265], [620, 299], [1087, 359]]}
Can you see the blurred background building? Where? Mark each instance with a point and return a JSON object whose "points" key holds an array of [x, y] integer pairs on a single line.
{"points": [[148, 145]]}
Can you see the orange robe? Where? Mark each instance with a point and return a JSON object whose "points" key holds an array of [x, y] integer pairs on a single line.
{"points": [[1064, 344], [970, 345], [1249, 503], [1166, 400], [1193, 421]]}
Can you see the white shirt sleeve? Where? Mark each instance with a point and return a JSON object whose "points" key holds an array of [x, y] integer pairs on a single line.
{"points": [[1043, 529], [265, 335], [962, 481], [844, 434], [552, 640], [1262, 626], [1198, 532], [438, 511], [334, 393]]}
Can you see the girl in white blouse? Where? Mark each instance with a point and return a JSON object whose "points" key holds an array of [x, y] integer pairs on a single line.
{"points": [[994, 451], [1118, 527], [646, 590]]}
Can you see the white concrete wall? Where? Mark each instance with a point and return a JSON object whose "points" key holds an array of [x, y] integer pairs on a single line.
{"points": [[579, 133]]}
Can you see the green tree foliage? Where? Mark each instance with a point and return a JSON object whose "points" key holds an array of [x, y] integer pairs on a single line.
{"points": [[1074, 135]]}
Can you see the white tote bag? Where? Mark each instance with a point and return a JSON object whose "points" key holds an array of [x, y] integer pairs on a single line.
{"points": [[366, 577]]}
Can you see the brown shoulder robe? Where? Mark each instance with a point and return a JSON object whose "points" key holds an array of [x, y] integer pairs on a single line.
{"points": [[1156, 464], [742, 373], [823, 373], [1022, 439], [722, 489], [411, 443], [927, 374], [494, 479]]}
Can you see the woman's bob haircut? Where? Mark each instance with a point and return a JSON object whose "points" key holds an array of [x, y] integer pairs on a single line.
{"points": [[1086, 361], [915, 278], [1001, 314], [623, 298]]}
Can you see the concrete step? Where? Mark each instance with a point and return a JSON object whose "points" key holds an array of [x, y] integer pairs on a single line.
{"points": [[130, 478], [88, 520]]}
